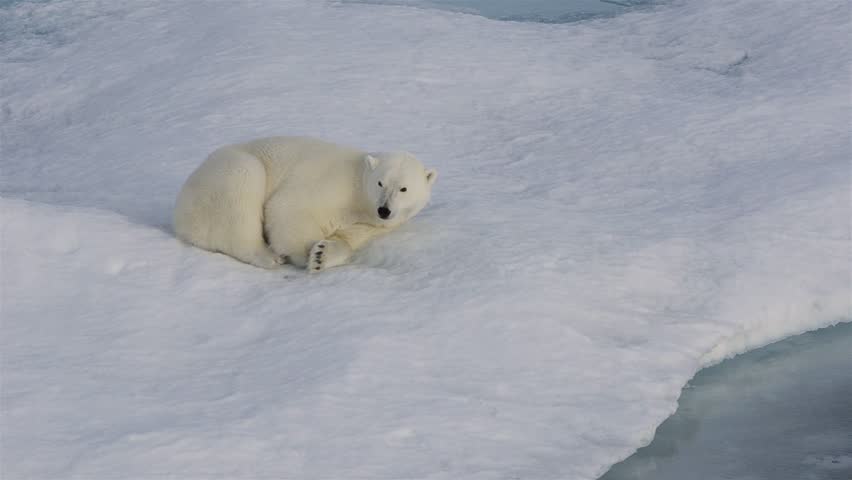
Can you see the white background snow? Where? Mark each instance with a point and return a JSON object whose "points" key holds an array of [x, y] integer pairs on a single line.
{"points": [[620, 203]]}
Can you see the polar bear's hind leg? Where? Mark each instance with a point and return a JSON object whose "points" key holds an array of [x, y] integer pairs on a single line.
{"points": [[221, 208], [292, 231]]}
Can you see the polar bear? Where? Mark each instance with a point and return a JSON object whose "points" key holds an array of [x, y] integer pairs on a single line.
{"points": [[299, 200]]}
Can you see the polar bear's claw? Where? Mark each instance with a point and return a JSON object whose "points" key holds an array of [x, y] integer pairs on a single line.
{"points": [[263, 259]]}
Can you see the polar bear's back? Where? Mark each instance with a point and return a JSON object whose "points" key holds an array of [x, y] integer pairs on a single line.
{"points": [[303, 159]]}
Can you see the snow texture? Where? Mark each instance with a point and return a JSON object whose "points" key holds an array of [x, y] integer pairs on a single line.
{"points": [[621, 203], [549, 11]]}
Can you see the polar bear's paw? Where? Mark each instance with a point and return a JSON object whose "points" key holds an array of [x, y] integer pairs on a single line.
{"points": [[266, 259], [327, 253], [317, 259]]}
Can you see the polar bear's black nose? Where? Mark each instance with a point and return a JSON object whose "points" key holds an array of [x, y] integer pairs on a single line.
{"points": [[384, 212]]}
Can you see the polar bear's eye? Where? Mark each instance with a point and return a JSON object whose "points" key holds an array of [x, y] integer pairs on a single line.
{"points": [[380, 184], [403, 189]]}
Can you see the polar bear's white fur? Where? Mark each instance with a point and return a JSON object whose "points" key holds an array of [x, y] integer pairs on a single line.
{"points": [[298, 200]]}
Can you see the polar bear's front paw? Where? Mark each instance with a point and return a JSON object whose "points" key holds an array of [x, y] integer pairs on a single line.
{"points": [[317, 256], [325, 254]]}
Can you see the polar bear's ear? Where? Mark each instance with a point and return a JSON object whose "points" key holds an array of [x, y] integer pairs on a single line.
{"points": [[431, 175], [371, 161]]}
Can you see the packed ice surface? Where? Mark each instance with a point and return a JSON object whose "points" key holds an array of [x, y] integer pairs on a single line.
{"points": [[620, 203]]}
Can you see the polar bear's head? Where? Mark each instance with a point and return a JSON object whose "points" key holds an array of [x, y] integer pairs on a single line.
{"points": [[397, 186]]}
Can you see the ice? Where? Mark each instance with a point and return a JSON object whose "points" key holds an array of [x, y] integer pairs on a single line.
{"points": [[620, 203]]}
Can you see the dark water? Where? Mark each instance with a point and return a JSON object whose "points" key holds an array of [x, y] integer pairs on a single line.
{"points": [[782, 412]]}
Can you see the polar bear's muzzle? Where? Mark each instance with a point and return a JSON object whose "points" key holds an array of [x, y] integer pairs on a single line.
{"points": [[384, 212]]}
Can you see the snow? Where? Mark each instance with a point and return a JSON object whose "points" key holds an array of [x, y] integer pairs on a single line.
{"points": [[620, 203], [550, 11]]}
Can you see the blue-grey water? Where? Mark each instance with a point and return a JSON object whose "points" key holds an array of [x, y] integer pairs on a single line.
{"points": [[782, 412]]}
